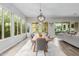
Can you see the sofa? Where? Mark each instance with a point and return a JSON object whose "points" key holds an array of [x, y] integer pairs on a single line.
{"points": [[71, 39]]}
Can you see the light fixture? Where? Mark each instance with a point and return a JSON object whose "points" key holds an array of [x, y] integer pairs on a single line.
{"points": [[41, 17]]}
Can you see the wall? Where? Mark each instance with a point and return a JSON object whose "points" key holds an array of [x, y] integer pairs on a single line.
{"points": [[10, 41], [52, 20], [51, 30]]}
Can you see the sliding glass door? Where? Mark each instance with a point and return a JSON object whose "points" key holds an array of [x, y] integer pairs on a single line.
{"points": [[7, 22], [0, 23], [8, 19]]}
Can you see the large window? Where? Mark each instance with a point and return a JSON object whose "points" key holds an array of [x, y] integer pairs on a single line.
{"points": [[19, 26], [61, 27], [6, 16], [35, 27], [45, 27], [18, 22], [7, 23], [0, 23], [15, 24], [40, 27], [23, 27]]}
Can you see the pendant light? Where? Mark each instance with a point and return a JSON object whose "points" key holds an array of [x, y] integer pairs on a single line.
{"points": [[41, 17]]}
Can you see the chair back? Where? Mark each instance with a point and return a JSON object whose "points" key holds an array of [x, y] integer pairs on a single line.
{"points": [[41, 44]]}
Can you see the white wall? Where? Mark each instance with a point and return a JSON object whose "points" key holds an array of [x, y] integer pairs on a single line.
{"points": [[53, 20], [10, 41], [51, 30]]}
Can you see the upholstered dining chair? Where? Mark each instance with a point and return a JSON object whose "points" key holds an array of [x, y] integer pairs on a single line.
{"points": [[41, 44]]}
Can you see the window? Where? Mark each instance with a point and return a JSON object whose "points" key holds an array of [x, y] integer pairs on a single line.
{"points": [[72, 25], [6, 16], [40, 27], [15, 24], [35, 27], [23, 27], [28, 29], [19, 26], [7, 23], [0, 23], [62, 27], [45, 27], [58, 27]]}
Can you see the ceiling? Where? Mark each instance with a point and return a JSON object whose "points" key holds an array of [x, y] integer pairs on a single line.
{"points": [[48, 9]]}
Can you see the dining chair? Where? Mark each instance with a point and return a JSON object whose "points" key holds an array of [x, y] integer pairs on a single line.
{"points": [[41, 44]]}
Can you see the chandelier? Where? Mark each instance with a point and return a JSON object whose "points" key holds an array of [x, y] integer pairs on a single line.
{"points": [[41, 17]]}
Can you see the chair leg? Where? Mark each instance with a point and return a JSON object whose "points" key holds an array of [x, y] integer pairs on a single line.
{"points": [[36, 53], [33, 48], [44, 53]]}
